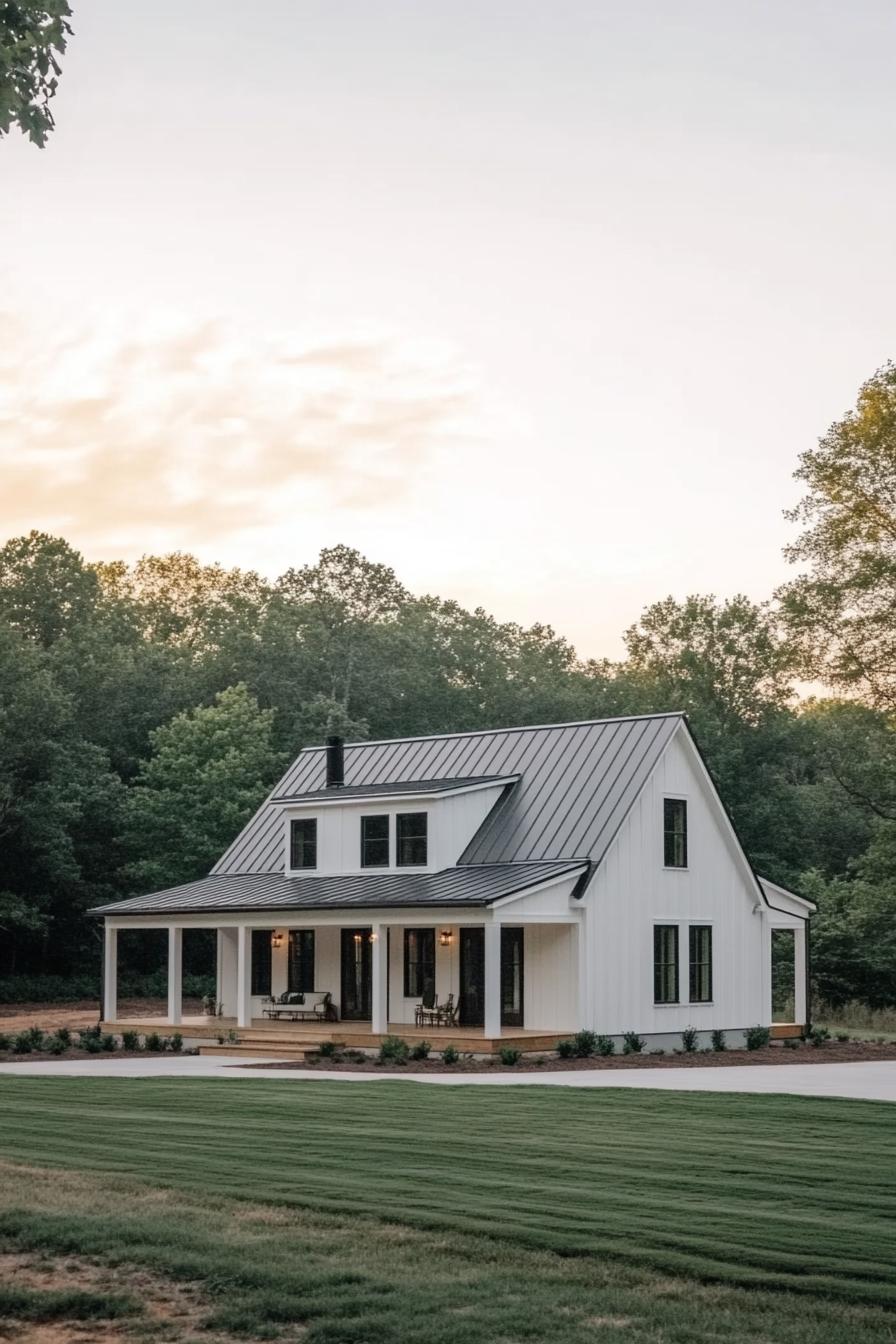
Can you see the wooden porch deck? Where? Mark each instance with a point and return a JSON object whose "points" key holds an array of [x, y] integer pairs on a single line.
{"points": [[295, 1039]]}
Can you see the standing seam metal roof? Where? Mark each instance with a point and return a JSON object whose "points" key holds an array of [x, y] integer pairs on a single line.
{"points": [[577, 782]]}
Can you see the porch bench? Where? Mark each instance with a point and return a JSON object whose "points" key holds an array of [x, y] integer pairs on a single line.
{"points": [[294, 1008]]}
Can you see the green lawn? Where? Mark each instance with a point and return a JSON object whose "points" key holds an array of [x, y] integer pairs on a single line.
{"points": [[396, 1212]]}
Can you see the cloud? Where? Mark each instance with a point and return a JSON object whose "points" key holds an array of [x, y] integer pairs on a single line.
{"points": [[178, 435]]}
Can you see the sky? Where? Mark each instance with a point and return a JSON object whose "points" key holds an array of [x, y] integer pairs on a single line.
{"points": [[536, 302]]}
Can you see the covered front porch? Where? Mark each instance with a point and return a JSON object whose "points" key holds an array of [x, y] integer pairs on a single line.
{"points": [[506, 979]]}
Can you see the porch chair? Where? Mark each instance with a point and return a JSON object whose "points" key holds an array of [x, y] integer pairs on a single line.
{"points": [[427, 1010], [447, 1014], [325, 1009]]}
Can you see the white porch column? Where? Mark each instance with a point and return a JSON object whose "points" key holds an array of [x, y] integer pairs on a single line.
{"points": [[492, 979], [379, 979], [582, 973], [243, 983], [800, 1006], [110, 973], [175, 974]]}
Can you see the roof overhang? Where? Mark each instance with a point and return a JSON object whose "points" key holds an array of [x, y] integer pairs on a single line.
{"points": [[779, 898]]}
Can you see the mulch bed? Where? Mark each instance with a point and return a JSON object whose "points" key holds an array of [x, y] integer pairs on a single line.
{"points": [[832, 1052], [44, 1057]]}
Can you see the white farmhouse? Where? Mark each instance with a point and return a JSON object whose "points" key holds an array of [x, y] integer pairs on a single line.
{"points": [[516, 884]]}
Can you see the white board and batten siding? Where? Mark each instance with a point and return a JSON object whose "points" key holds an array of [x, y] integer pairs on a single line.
{"points": [[632, 891]]}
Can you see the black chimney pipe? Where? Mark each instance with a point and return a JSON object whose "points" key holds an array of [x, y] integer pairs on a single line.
{"points": [[335, 763]]}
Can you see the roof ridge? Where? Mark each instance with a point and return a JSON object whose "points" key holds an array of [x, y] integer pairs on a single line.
{"points": [[520, 728]]}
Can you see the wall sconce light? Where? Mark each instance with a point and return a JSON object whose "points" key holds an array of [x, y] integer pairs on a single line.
{"points": [[357, 937], [276, 939], [445, 938], [373, 936]]}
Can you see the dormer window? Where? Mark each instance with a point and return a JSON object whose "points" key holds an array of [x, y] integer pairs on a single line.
{"points": [[303, 843], [675, 833], [410, 849], [375, 842]]}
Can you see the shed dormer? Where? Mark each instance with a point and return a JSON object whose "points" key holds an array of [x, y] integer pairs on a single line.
{"points": [[413, 826]]}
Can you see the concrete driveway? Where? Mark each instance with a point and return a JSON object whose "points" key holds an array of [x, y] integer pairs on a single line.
{"points": [[871, 1081]]}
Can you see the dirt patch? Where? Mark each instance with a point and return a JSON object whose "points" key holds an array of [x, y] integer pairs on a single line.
{"points": [[171, 1311], [49, 1016], [833, 1052]]}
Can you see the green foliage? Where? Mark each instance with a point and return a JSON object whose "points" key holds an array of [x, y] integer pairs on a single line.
{"points": [[153, 1043], [509, 1055], [55, 1046], [585, 1043], [327, 1049], [421, 1050], [566, 1049], [393, 1050], [818, 1036], [605, 1045], [450, 1055], [757, 1037], [689, 1040], [632, 1043], [130, 1040], [719, 1043], [108, 1042], [5, 1042], [33, 37], [23, 1043]]}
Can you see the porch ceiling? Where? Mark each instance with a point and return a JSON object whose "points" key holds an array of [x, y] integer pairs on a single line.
{"points": [[473, 885]]}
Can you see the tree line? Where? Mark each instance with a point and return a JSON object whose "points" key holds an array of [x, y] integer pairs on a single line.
{"points": [[146, 709]]}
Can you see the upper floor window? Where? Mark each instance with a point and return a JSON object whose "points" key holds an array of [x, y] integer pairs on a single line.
{"points": [[303, 843], [675, 833], [665, 963], [700, 958], [375, 842], [410, 849]]}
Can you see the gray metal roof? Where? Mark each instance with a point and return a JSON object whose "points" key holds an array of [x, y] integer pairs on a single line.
{"points": [[577, 782], [461, 887], [411, 786]]}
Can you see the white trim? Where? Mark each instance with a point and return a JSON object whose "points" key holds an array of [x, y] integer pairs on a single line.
{"points": [[802, 906], [573, 875], [360, 800]]}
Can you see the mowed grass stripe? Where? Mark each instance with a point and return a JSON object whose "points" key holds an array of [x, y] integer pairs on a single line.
{"points": [[789, 1191]]}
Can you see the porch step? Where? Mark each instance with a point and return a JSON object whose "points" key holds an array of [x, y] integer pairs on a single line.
{"points": [[260, 1051]]}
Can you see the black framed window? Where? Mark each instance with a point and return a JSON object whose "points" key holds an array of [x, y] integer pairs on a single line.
{"points": [[261, 961], [675, 833], [700, 963], [374, 842], [665, 963], [410, 840], [300, 963], [419, 961], [303, 843]]}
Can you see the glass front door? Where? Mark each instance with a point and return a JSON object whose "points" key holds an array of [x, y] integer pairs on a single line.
{"points": [[472, 977], [511, 977], [356, 997]]}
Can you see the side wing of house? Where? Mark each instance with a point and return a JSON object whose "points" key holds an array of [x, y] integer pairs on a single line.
{"points": [[652, 926]]}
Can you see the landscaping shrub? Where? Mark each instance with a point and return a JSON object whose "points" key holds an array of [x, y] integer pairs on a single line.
{"points": [[54, 1046], [90, 1041], [757, 1037], [566, 1049], [326, 1049], [450, 1055], [818, 1036], [718, 1040], [393, 1050], [605, 1045], [632, 1043], [791, 1043], [5, 1042], [509, 1055], [24, 1043], [585, 1043], [153, 1042], [130, 1040], [420, 1050], [689, 1040], [108, 1042], [176, 1044], [843, 1036], [64, 1035]]}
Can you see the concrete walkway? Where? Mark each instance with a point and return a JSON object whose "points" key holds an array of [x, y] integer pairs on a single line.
{"points": [[873, 1081]]}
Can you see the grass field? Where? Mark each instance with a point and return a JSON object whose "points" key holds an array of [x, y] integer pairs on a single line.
{"points": [[394, 1212]]}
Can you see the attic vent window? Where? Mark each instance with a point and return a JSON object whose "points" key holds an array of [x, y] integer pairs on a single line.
{"points": [[675, 833], [411, 846]]}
